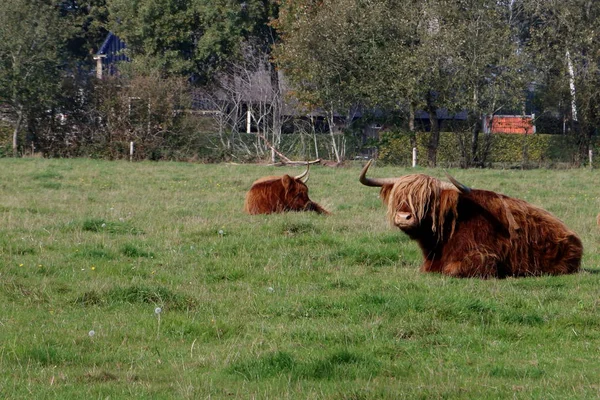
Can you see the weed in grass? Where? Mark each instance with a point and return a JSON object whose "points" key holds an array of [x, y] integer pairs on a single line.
{"points": [[129, 250], [341, 364], [138, 295], [48, 174], [513, 372], [298, 228], [117, 227], [266, 366], [51, 185], [344, 365], [98, 252]]}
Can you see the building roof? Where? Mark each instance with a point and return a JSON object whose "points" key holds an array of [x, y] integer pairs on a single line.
{"points": [[112, 50]]}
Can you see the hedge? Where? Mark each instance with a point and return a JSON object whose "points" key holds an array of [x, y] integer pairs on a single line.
{"points": [[503, 150]]}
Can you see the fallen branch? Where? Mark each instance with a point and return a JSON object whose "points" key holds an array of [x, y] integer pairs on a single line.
{"points": [[269, 145], [290, 162]]}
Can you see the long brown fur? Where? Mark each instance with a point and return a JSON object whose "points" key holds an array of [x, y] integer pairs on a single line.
{"points": [[277, 194], [481, 233]]}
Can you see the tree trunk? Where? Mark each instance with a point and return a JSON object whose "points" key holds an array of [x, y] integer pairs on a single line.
{"points": [[276, 106], [333, 143], [314, 135], [16, 131], [434, 138], [475, 141], [411, 125]]}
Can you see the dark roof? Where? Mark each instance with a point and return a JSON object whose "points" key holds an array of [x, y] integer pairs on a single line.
{"points": [[442, 113], [113, 49]]}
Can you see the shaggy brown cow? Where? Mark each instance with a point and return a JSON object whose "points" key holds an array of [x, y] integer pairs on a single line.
{"points": [[477, 233], [275, 194]]}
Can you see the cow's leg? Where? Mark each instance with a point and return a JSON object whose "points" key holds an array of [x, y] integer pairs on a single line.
{"points": [[473, 264]]}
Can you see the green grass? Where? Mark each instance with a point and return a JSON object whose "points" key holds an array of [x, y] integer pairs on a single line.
{"points": [[280, 306]]}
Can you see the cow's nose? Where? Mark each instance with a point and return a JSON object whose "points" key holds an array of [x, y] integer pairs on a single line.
{"points": [[404, 216]]}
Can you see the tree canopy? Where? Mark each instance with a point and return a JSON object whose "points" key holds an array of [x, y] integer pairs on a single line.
{"points": [[477, 57], [189, 37]]}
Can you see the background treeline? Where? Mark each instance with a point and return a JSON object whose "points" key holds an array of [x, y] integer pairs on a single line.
{"points": [[197, 66]]}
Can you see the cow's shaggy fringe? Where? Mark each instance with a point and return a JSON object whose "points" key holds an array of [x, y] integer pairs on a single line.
{"points": [[422, 193]]}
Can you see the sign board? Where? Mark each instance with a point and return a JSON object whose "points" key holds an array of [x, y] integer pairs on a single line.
{"points": [[515, 124]]}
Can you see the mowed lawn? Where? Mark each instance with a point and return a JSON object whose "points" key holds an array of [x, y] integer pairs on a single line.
{"points": [[147, 280]]}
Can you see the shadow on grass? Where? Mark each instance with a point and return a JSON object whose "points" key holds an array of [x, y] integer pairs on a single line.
{"points": [[341, 364], [591, 271], [138, 295]]}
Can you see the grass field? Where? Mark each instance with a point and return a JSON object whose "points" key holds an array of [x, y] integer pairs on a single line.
{"points": [[270, 307]]}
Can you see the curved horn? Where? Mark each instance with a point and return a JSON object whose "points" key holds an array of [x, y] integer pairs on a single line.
{"points": [[461, 188], [376, 182], [304, 176]]}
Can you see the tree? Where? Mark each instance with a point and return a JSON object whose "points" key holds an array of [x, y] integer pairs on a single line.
{"points": [[487, 66], [89, 19], [409, 55], [563, 41], [191, 38], [325, 52], [32, 38]]}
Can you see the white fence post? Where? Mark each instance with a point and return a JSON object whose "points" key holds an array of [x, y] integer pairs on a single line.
{"points": [[248, 121], [591, 155], [414, 158], [130, 151]]}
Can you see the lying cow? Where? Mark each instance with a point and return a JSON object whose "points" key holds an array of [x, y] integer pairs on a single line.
{"points": [[276, 194], [477, 233]]}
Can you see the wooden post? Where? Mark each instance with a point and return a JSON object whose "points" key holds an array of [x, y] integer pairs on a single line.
{"points": [[414, 157], [99, 64], [130, 151]]}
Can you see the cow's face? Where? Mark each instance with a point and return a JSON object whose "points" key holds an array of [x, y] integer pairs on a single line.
{"points": [[296, 194], [403, 217], [409, 200]]}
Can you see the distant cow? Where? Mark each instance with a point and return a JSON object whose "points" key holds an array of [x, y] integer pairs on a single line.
{"points": [[477, 233], [276, 194]]}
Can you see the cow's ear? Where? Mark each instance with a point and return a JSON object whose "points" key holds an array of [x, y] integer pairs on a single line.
{"points": [[287, 181]]}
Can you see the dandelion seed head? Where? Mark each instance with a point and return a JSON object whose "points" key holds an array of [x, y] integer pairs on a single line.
{"points": [[91, 333], [157, 310]]}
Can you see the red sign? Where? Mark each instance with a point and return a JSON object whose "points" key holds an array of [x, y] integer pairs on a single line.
{"points": [[517, 124]]}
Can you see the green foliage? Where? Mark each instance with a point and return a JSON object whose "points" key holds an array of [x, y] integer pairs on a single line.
{"points": [[5, 140], [403, 56], [190, 37], [560, 42], [32, 41], [502, 150]]}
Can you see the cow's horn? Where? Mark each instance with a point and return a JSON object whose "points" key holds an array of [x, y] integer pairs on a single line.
{"points": [[304, 176], [377, 182], [461, 188]]}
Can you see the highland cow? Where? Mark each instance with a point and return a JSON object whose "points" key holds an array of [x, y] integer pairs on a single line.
{"points": [[276, 194], [465, 232]]}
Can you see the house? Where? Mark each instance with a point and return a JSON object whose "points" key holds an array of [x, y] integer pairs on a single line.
{"points": [[110, 53]]}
